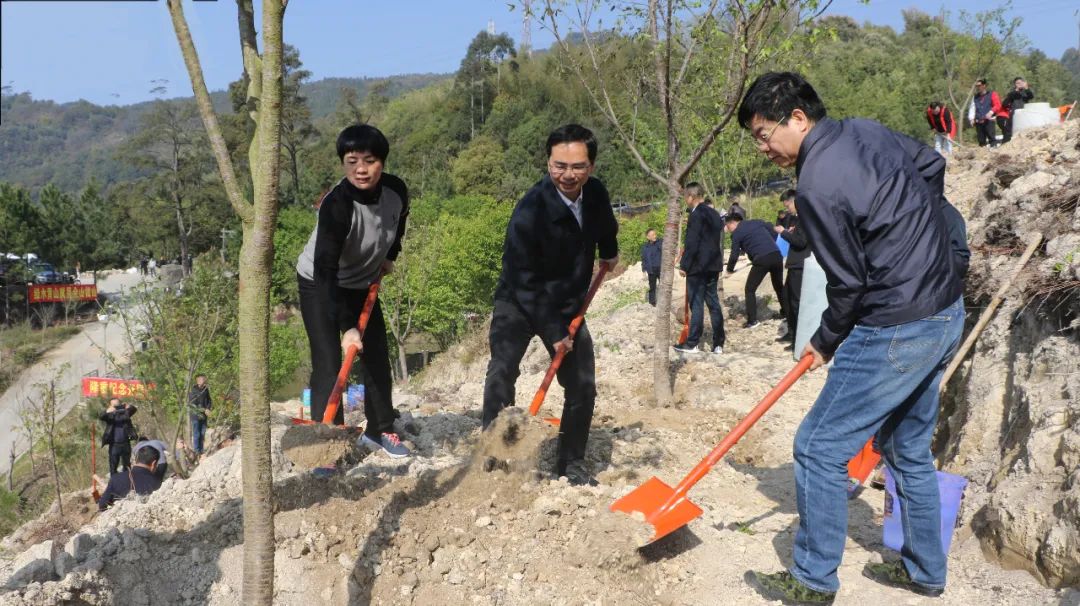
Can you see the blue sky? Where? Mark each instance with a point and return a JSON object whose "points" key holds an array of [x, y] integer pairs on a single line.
{"points": [[108, 52]]}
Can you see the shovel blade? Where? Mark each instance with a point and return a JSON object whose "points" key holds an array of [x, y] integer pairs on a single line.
{"points": [[649, 499], [553, 421]]}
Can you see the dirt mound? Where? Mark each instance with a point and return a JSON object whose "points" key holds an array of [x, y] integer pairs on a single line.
{"points": [[1009, 418]]}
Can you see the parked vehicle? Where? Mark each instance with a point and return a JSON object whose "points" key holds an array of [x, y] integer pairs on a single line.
{"points": [[45, 273]]}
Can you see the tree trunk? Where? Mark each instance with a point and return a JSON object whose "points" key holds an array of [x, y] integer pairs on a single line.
{"points": [[662, 329], [403, 363]]}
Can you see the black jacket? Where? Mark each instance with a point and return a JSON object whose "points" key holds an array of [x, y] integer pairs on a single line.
{"points": [[957, 238], [118, 426], [704, 250], [120, 484], [798, 245], [871, 201], [548, 258], [755, 237], [651, 255], [199, 401], [1017, 98]]}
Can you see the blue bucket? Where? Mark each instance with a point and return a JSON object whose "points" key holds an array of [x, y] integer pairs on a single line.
{"points": [[951, 489], [306, 399], [783, 245], [354, 398]]}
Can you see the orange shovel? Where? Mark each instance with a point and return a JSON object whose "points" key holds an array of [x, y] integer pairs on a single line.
{"points": [[346, 365], [560, 353], [94, 492], [668, 510], [860, 467]]}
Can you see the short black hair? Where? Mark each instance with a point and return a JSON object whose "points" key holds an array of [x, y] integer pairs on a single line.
{"points": [[787, 195], [981, 81], [363, 138], [572, 133], [694, 189], [147, 455], [733, 217], [934, 104], [774, 95], [648, 230], [1016, 79]]}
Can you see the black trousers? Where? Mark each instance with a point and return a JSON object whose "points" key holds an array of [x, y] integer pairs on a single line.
{"points": [[701, 288], [324, 340], [793, 292], [773, 265], [1005, 124], [652, 289], [119, 456], [985, 132], [510, 334]]}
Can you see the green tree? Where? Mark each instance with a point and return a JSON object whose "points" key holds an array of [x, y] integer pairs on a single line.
{"points": [[478, 169], [296, 127], [259, 219], [481, 62]]}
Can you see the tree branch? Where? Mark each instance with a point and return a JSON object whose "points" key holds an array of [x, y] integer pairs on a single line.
{"points": [[240, 204]]}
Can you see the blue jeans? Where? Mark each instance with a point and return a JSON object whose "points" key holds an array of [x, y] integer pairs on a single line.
{"points": [[198, 433], [701, 288], [884, 382]]}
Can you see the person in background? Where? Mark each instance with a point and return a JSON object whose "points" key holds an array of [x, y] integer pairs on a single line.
{"points": [[942, 125], [757, 238], [651, 254], [198, 407], [798, 251], [985, 107], [701, 263], [735, 210], [142, 478], [118, 433], [1017, 97], [163, 458]]}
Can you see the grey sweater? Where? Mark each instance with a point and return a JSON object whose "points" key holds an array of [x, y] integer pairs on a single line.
{"points": [[356, 231]]}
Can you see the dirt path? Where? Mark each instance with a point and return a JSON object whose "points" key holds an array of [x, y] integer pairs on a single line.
{"points": [[83, 353]]}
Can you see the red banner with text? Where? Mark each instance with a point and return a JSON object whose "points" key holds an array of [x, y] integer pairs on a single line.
{"points": [[93, 387], [62, 293]]}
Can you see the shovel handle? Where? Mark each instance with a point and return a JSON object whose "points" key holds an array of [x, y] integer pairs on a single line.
{"points": [[560, 353], [350, 354], [737, 433]]}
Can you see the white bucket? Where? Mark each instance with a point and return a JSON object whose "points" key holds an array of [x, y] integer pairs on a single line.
{"points": [[1034, 115]]}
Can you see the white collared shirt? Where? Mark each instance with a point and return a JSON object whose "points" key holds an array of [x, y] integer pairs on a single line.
{"points": [[573, 205]]}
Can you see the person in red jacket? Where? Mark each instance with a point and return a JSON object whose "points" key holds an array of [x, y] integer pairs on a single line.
{"points": [[942, 124], [985, 107]]}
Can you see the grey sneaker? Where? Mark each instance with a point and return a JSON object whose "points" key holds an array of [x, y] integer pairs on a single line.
{"points": [[389, 443], [684, 348], [718, 350], [578, 474]]}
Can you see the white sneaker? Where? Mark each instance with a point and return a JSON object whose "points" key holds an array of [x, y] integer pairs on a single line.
{"points": [[718, 350]]}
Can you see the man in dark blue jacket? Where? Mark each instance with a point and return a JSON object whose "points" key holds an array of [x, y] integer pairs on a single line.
{"points": [[547, 264], [756, 237], [142, 478], [651, 253], [871, 203], [702, 261], [798, 251]]}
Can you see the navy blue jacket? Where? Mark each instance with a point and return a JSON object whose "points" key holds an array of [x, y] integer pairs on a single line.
{"points": [[957, 238], [704, 250], [754, 236], [651, 255], [798, 245], [120, 484], [548, 258], [871, 201]]}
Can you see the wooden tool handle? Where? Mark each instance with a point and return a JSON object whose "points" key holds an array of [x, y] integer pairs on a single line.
{"points": [[334, 402]]}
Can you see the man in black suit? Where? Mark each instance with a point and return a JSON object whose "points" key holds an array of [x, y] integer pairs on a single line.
{"points": [[551, 243], [702, 261], [798, 250]]}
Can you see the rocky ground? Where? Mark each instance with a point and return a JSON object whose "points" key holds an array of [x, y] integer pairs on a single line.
{"points": [[477, 519]]}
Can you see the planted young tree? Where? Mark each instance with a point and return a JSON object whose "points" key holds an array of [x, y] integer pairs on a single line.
{"points": [[404, 290], [43, 411], [258, 217], [695, 57]]}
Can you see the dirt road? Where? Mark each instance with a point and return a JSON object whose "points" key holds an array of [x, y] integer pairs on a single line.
{"points": [[83, 353]]}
